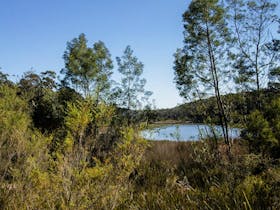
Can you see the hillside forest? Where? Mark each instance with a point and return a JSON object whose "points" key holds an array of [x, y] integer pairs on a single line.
{"points": [[72, 139]]}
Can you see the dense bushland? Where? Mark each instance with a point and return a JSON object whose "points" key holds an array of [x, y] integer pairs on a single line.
{"points": [[60, 150], [68, 170], [74, 142], [91, 163]]}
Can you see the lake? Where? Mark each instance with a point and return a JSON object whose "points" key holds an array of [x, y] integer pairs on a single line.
{"points": [[185, 132]]}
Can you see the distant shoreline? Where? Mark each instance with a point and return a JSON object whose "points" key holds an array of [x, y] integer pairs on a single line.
{"points": [[180, 122], [170, 123]]}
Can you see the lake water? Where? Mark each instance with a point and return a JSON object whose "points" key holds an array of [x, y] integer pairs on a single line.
{"points": [[186, 132]]}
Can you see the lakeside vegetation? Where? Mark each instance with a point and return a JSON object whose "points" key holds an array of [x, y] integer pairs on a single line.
{"points": [[73, 142]]}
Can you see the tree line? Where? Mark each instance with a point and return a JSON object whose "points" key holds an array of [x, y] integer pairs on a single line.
{"points": [[87, 74], [71, 143]]}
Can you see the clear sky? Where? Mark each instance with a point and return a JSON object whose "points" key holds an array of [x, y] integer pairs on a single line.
{"points": [[34, 35]]}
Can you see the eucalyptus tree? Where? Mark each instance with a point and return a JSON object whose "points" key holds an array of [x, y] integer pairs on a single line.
{"points": [[87, 69], [30, 86], [251, 21], [131, 89], [201, 66], [38, 90], [104, 66]]}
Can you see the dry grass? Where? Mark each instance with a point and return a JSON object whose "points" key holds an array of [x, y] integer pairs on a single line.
{"points": [[168, 151], [173, 152]]}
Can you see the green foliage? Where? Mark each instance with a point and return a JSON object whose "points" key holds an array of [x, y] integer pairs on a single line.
{"points": [[104, 66], [22, 151], [253, 188], [131, 90], [77, 119], [73, 175], [39, 90], [274, 76], [262, 130], [259, 133], [14, 123], [103, 115], [201, 67], [87, 69], [251, 21], [34, 176], [60, 149]]}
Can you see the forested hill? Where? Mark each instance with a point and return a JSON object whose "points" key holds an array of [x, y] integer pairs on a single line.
{"points": [[239, 105]]}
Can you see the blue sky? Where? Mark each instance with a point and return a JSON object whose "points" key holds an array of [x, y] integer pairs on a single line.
{"points": [[34, 35]]}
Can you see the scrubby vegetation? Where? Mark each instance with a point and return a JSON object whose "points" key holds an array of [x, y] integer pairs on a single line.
{"points": [[75, 143], [68, 168], [88, 162]]}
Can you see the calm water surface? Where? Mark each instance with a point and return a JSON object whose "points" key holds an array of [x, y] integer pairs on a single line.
{"points": [[186, 132]]}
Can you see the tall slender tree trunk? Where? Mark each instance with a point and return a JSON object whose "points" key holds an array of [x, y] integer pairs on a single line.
{"points": [[220, 104]]}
